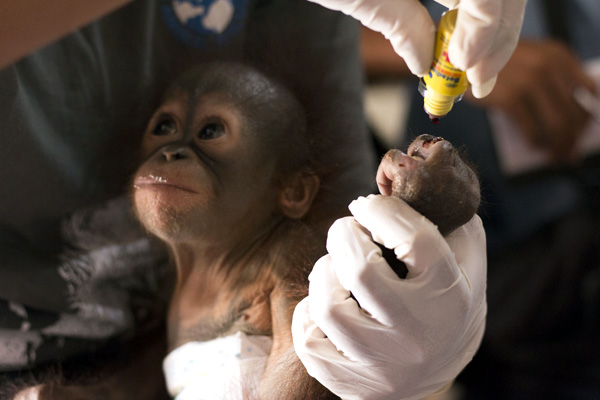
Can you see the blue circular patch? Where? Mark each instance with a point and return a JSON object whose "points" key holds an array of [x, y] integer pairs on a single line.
{"points": [[200, 22]]}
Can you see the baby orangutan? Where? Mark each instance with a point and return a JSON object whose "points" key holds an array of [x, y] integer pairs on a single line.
{"points": [[433, 179], [225, 182]]}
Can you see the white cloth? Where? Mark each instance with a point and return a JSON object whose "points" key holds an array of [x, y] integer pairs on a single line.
{"points": [[409, 337], [485, 37], [229, 367]]}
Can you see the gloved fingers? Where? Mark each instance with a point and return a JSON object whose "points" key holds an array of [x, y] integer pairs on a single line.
{"points": [[416, 318], [485, 36], [357, 357], [482, 90], [338, 315], [327, 362], [405, 23], [411, 31], [393, 223], [469, 247], [482, 76], [307, 336], [360, 268], [320, 357], [477, 23], [389, 357]]}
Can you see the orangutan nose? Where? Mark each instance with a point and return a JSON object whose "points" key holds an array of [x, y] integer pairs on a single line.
{"points": [[174, 152]]}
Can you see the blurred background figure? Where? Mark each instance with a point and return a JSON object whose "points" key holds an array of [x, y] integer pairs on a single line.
{"points": [[536, 150]]}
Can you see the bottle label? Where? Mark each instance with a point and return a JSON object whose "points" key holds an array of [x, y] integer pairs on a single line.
{"points": [[443, 77]]}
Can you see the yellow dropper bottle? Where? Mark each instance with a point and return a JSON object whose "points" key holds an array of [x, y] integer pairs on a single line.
{"points": [[444, 84]]}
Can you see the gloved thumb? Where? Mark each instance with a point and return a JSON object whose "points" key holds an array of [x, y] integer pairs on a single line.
{"points": [[484, 38], [394, 224], [481, 90], [405, 23], [411, 31]]}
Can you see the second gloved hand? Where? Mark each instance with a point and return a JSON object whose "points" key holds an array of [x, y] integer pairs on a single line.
{"points": [[485, 36], [405, 338]]}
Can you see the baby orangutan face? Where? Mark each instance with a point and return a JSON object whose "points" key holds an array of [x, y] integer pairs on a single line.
{"points": [[433, 179], [211, 154], [200, 171]]}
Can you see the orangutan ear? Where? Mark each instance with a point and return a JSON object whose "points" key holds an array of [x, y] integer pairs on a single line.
{"points": [[298, 193]]}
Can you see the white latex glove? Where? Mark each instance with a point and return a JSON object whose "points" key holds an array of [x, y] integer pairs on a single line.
{"points": [[409, 337], [485, 36]]}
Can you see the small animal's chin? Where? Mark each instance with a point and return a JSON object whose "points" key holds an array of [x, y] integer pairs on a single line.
{"points": [[162, 222], [166, 196], [165, 210]]}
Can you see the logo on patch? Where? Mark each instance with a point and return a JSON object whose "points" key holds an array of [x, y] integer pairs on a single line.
{"points": [[198, 22]]}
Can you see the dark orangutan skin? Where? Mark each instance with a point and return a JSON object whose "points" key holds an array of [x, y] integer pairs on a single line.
{"points": [[433, 179], [226, 180]]}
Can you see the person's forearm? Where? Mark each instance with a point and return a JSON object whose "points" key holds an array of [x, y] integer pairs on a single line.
{"points": [[27, 25]]}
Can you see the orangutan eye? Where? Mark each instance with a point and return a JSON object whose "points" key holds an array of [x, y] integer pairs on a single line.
{"points": [[212, 130], [165, 126]]}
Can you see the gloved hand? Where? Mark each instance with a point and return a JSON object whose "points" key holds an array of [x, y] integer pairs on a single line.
{"points": [[485, 36], [409, 337]]}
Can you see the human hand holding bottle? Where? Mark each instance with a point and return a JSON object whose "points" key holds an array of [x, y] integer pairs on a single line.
{"points": [[486, 33]]}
